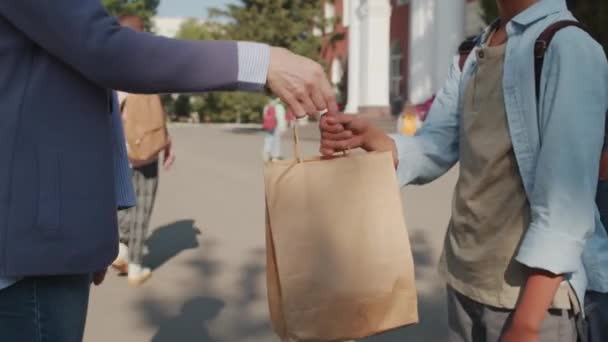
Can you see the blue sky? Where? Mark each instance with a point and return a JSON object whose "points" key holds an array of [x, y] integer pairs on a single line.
{"points": [[189, 8]]}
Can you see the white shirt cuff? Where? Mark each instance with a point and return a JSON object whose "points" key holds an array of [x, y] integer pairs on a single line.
{"points": [[254, 61]]}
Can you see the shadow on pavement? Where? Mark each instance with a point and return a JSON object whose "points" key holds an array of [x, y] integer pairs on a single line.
{"points": [[190, 324], [431, 304], [168, 241], [252, 295], [246, 310], [246, 130]]}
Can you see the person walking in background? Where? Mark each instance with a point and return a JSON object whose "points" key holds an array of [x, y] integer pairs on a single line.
{"points": [[275, 123], [412, 117], [525, 247], [141, 113]]}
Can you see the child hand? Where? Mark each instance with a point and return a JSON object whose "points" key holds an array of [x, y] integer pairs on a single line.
{"points": [[342, 132]]}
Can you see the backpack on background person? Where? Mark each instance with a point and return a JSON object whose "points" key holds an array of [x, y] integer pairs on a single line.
{"points": [[145, 128], [270, 121]]}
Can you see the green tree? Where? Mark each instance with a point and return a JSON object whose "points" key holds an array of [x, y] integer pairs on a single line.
{"points": [[194, 29], [182, 107], [216, 107], [490, 10], [285, 23], [146, 9]]}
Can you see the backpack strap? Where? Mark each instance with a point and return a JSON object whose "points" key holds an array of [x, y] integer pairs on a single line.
{"points": [[542, 44], [540, 49]]}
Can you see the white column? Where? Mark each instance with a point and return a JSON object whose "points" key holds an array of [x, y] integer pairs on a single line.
{"points": [[450, 24], [375, 18], [422, 49], [353, 57]]}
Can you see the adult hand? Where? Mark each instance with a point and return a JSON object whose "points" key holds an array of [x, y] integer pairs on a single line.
{"points": [[345, 132], [99, 277], [300, 83]]}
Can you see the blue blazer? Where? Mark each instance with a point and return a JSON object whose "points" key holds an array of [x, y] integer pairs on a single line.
{"points": [[58, 60]]}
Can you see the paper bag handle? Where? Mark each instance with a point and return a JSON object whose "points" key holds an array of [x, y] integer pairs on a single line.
{"points": [[296, 145]]}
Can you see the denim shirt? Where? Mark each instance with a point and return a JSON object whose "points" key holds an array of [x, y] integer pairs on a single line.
{"points": [[557, 142]]}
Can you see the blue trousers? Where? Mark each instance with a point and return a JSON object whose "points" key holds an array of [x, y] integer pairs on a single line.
{"points": [[45, 309]]}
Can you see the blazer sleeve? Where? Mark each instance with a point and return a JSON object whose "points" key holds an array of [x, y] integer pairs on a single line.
{"points": [[84, 36]]}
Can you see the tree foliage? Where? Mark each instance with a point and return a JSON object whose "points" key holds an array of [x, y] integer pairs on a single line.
{"points": [[291, 24], [285, 23], [490, 10], [194, 29], [216, 106], [146, 9]]}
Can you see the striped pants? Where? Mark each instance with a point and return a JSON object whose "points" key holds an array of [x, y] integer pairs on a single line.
{"points": [[134, 222]]}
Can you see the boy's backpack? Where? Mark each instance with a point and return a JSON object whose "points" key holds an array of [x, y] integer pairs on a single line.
{"points": [[145, 128], [540, 48], [270, 119]]}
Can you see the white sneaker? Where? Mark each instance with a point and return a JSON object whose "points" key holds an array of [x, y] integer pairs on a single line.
{"points": [[121, 264], [138, 275]]}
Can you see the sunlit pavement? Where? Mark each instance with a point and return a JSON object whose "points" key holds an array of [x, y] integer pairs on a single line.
{"points": [[207, 249]]}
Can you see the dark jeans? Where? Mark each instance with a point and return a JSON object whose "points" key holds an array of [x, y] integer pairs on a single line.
{"points": [[45, 309], [597, 303], [602, 201], [597, 316]]}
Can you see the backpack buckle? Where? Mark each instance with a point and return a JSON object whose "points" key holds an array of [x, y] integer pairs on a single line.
{"points": [[540, 47]]}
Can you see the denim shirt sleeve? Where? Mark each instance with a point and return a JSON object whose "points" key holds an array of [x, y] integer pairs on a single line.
{"points": [[571, 122], [434, 149]]}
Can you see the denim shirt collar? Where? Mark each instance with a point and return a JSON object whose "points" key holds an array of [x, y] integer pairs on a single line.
{"points": [[539, 11], [531, 15]]}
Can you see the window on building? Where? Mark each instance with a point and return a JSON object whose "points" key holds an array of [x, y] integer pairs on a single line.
{"points": [[396, 74]]}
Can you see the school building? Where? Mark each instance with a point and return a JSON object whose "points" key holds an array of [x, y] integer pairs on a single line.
{"points": [[382, 53]]}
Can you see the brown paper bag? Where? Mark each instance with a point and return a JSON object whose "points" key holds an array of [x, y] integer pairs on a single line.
{"points": [[339, 259]]}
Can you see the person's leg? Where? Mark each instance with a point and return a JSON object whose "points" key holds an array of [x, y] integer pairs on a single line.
{"points": [[125, 224], [126, 218], [45, 309], [147, 184], [464, 318], [558, 326], [63, 302], [126, 221], [267, 145], [18, 319], [495, 322], [276, 145], [596, 307]]}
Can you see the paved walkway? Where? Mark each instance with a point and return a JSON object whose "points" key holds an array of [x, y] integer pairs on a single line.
{"points": [[207, 251]]}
